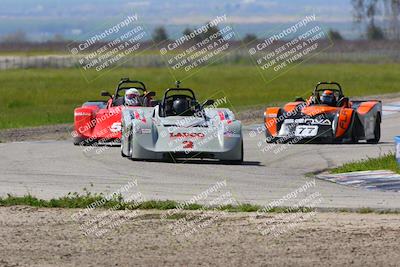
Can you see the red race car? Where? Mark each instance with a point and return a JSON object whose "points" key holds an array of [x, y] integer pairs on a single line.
{"points": [[100, 121]]}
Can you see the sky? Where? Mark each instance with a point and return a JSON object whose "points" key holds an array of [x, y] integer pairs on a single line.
{"points": [[41, 19]]}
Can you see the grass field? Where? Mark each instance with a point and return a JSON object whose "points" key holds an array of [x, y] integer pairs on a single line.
{"points": [[386, 162], [35, 97]]}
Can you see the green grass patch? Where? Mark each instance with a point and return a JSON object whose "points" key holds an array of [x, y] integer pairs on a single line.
{"points": [[52, 52], [385, 162], [82, 201], [34, 97]]}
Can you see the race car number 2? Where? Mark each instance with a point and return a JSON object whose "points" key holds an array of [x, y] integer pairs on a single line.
{"points": [[187, 144], [306, 130]]}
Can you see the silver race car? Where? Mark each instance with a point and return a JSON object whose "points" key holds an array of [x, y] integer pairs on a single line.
{"points": [[179, 127]]}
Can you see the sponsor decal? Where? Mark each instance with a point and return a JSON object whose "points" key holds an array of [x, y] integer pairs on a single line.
{"points": [[186, 135], [137, 116], [309, 121], [146, 131], [82, 113], [224, 116], [344, 117], [231, 134]]}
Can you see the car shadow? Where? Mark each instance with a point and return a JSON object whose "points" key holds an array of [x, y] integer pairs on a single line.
{"points": [[215, 162], [352, 144], [329, 143], [203, 162]]}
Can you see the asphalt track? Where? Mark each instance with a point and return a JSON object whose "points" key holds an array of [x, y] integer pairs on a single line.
{"points": [[49, 169]]}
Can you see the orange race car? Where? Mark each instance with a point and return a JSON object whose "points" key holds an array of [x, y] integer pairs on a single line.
{"points": [[327, 117]]}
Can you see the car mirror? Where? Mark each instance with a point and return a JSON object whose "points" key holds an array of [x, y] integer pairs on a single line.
{"points": [[105, 93]]}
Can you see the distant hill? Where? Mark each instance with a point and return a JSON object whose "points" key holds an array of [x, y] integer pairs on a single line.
{"points": [[42, 19]]}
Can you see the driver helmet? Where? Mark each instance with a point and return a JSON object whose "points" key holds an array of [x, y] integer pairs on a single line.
{"points": [[328, 98], [132, 97], [180, 105]]}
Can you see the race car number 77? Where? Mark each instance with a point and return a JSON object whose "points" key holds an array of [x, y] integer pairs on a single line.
{"points": [[306, 130]]}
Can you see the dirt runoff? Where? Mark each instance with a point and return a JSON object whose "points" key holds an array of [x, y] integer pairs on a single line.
{"points": [[50, 132], [50, 237]]}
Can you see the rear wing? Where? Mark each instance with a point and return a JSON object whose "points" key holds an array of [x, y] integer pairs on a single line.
{"points": [[99, 103]]}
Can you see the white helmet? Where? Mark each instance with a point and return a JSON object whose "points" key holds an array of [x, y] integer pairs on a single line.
{"points": [[132, 97]]}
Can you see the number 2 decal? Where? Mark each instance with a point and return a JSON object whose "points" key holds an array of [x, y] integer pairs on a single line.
{"points": [[187, 144]]}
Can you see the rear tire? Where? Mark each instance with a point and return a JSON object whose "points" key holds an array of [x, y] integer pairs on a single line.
{"points": [[377, 131], [79, 141], [354, 137]]}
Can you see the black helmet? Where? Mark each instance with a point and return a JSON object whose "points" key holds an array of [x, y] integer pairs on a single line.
{"points": [[180, 105]]}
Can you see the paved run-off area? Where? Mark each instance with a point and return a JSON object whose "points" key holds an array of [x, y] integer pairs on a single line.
{"points": [[49, 169], [51, 237]]}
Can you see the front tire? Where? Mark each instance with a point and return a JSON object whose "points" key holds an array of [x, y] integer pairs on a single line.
{"points": [[130, 148], [122, 149], [269, 138]]}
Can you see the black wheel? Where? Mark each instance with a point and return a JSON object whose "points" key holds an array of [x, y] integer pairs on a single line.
{"points": [[355, 122], [130, 149], [269, 138], [122, 149], [377, 131], [122, 142], [79, 141], [354, 137]]}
